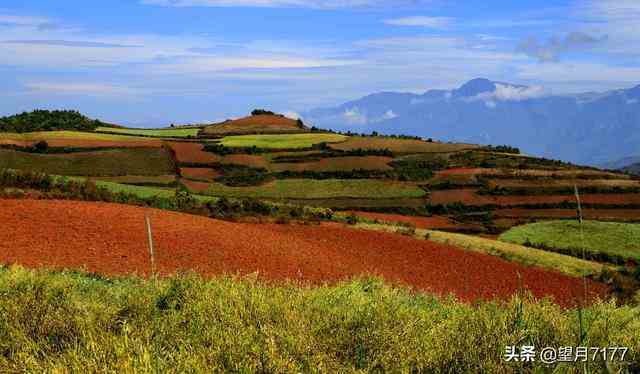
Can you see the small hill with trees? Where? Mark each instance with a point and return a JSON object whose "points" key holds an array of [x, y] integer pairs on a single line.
{"points": [[45, 120], [260, 122]]}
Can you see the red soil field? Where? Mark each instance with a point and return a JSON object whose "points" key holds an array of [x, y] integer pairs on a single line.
{"points": [[252, 161], [193, 153], [196, 186], [613, 214], [111, 239], [201, 174], [262, 124], [434, 222], [469, 197]]}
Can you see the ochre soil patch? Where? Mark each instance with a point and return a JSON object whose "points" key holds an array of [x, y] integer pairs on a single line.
{"points": [[199, 174], [111, 239], [189, 152], [470, 197], [613, 214]]}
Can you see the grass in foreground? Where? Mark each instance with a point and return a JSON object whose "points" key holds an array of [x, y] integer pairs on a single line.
{"points": [[281, 141], [513, 252], [74, 322], [601, 239], [170, 132], [320, 189]]}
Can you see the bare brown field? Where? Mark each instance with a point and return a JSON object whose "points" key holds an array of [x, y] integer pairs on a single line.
{"points": [[188, 152], [261, 124], [253, 161], [111, 239], [470, 197], [196, 186], [399, 145], [563, 183], [337, 164], [199, 174]]}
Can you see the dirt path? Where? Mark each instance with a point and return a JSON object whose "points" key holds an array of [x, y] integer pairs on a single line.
{"points": [[111, 239]]}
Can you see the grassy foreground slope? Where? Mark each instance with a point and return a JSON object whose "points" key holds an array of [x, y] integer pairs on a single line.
{"points": [[74, 322], [621, 240]]}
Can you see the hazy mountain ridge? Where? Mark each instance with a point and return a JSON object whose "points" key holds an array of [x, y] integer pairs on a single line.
{"points": [[590, 128]]}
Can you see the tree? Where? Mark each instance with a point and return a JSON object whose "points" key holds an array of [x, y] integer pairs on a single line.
{"points": [[41, 146]]}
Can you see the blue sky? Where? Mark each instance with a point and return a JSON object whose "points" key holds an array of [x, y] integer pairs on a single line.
{"points": [[153, 62]]}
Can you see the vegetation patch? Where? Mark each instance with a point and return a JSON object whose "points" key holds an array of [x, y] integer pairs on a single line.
{"points": [[143, 180], [602, 241], [120, 162], [346, 163], [45, 120], [72, 321]]}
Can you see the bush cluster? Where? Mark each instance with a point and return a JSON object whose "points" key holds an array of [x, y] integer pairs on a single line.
{"points": [[45, 120]]}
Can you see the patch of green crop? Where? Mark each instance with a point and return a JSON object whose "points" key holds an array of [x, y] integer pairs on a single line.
{"points": [[281, 141], [597, 238]]}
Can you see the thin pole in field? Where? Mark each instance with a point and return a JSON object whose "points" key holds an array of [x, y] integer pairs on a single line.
{"points": [[151, 251]]}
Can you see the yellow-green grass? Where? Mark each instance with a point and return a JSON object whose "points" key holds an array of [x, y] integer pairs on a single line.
{"points": [[320, 189], [113, 162], [169, 132], [65, 135], [608, 238], [281, 141], [513, 252], [69, 321], [397, 145]]}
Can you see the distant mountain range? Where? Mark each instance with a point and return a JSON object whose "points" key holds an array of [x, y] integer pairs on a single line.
{"points": [[590, 128]]}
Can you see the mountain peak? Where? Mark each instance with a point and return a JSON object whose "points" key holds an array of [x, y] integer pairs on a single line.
{"points": [[475, 87]]}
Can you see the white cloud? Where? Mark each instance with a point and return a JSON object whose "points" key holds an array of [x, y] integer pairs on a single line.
{"points": [[505, 92], [94, 89], [389, 114], [292, 114], [353, 116], [421, 21]]}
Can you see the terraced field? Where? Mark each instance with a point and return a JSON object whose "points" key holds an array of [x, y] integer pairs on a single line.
{"points": [[160, 133], [402, 146], [289, 141], [596, 238], [77, 139], [113, 162], [192, 153], [337, 164], [320, 189]]}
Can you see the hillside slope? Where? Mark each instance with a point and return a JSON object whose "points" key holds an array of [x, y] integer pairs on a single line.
{"points": [[255, 124]]}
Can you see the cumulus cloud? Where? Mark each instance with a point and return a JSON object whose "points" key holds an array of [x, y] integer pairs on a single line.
{"points": [[389, 114], [555, 46], [96, 89], [293, 115], [505, 92], [420, 21], [353, 116]]}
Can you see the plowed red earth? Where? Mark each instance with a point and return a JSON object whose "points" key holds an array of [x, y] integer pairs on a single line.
{"points": [[193, 153], [111, 239], [435, 222]]}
